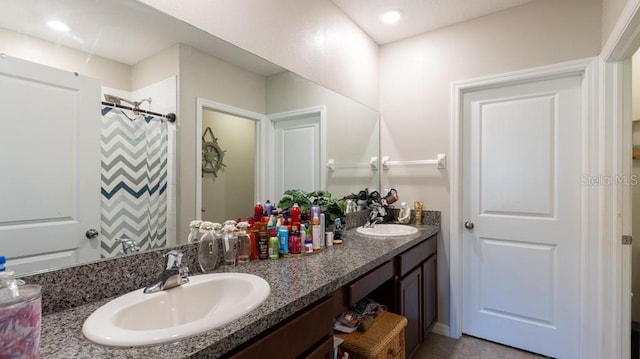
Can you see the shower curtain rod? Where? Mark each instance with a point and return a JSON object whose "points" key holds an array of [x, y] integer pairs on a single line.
{"points": [[171, 117]]}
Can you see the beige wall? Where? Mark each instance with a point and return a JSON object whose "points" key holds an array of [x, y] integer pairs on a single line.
{"points": [[155, 68], [415, 89], [210, 78], [311, 38], [611, 11], [230, 194]]}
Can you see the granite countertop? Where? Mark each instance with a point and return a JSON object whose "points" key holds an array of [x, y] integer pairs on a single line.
{"points": [[295, 282]]}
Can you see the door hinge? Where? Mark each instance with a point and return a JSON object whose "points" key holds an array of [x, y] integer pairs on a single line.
{"points": [[627, 239]]}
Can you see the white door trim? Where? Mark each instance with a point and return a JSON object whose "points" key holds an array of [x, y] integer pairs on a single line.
{"points": [[592, 161], [261, 157], [320, 111]]}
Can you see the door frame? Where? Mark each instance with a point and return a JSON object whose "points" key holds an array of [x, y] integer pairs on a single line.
{"points": [[592, 227], [260, 156], [321, 112]]}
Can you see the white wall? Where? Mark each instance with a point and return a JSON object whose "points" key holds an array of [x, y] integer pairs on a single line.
{"points": [[415, 89], [310, 37]]}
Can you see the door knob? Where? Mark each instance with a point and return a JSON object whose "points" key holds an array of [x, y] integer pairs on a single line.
{"points": [[468, 225], [91, 233]]}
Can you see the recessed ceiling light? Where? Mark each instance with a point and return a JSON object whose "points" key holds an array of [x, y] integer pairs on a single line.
{"points": [[58, 26], [391, 16]]}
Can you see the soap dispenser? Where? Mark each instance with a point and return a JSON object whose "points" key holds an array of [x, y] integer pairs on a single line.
{"points": [[405, 213], [244, 243], [208, 246], [194, 231], [229, 239]]}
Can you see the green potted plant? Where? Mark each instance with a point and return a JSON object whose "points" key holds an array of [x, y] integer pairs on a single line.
{"points": [[331, 207]]}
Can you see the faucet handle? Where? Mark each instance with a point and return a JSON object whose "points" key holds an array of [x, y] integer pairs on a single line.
{"points": [[174, 259]]}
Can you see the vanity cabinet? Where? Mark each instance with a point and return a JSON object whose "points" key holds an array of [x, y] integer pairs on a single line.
{"points": [[417, 291], [405, 283], [309, 334]]}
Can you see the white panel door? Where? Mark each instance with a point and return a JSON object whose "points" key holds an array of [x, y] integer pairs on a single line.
{"points": [[50, 166], [297, 154], [521, 259]]}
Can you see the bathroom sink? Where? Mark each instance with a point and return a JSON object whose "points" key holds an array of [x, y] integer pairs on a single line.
{"points": [[206, 302], [387, 230]]}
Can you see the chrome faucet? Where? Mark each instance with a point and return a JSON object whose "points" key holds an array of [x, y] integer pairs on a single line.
{"points": [[128, 244], [174, 273], [376, 216]]}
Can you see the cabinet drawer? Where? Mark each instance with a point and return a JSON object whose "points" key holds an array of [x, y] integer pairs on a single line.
{"points": [[416, 255], [366, 284], [315, 323]]}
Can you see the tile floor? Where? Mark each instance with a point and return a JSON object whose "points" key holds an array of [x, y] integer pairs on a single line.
{"points": [[442, 347]]}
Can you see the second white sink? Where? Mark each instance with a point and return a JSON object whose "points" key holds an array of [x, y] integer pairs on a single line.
{"points": [[208, 301], [387, 230]]}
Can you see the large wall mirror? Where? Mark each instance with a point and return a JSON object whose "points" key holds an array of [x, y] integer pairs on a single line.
{"points": [[262, 128]]}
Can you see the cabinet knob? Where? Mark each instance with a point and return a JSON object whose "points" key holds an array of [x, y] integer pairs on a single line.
{"points": [[468, 225], [392, 352]]}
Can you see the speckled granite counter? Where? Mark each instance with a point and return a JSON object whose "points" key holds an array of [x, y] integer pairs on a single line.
{"points": [[295, 283]]}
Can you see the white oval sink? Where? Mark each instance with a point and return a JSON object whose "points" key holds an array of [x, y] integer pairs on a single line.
{"points": [[387, 230], [208, 301]]}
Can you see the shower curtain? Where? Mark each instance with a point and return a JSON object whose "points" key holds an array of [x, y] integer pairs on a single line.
{"points": [[134, 181]]}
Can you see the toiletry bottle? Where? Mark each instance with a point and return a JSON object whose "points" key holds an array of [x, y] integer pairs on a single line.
{"points": [[294, 239], [268, 207], [273, 244], [263, 242], [258, 212], [208, 247], [295, 214], [316, 232], [322, 231], [244, 243], [308, 240], [417, 207], [283, 237]]}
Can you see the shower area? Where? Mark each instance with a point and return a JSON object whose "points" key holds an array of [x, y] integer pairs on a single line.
{"points": [[137, 154]]}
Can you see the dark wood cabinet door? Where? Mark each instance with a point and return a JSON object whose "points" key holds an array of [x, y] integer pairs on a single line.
{"points": [[430, 294], [322, 351], [410, 306]]}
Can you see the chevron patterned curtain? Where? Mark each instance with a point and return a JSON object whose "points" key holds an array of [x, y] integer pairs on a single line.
{"points": [[134, 181]]}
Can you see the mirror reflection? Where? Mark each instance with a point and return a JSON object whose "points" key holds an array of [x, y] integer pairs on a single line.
{"points": [[53, 196]]}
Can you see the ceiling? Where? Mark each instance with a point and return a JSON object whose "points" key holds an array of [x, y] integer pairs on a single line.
{"points": [[128, 32], [419, 16]]}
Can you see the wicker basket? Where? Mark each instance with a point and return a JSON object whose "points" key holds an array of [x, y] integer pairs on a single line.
{"points": [[384, 340]]}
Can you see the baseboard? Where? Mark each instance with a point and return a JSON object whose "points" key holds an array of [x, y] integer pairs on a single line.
{"points": [[441, 329]]}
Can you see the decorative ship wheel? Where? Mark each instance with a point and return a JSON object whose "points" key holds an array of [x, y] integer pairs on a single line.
{"points": [[212, 153]]}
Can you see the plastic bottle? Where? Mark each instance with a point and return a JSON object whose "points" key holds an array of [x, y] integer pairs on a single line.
{"points": [[316, 233], [283, 237], [273, 245], [295, 213], [308, 240], [295, 246], [268, 208], [263, 242], [258, 212]]}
